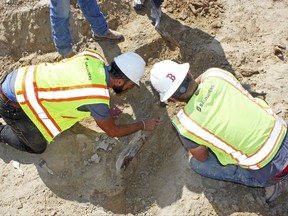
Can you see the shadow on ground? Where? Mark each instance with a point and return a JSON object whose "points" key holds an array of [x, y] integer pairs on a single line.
{"points": [[160, 174]]}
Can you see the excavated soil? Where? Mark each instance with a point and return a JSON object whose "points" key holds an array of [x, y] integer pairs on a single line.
{"points": [[247, 38]]}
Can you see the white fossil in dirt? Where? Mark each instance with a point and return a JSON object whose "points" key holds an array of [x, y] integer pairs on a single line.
{"points": [[130, 151]]}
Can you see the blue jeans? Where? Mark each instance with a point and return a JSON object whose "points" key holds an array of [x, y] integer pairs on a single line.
{"points": [[158, 3], [211, 168], [59, 18]]}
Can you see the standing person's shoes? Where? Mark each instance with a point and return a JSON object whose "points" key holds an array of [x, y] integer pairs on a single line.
{"points": [[155, 14], [69, 54], [274, 191], [138, 4], [110, 35]]}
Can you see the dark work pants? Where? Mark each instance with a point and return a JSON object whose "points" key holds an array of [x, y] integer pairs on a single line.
{"points": [[20, 132], [158, 3]]}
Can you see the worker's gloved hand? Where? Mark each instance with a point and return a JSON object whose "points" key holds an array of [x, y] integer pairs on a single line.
{"points": [[150, 124], [115, 111]]}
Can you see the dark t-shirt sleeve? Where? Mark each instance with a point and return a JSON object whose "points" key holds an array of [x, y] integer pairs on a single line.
{"points": [[98, 111], [188, 144]]}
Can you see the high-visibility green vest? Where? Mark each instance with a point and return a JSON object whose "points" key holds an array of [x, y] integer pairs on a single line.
{"points": [[50, 93], [238, 128]]}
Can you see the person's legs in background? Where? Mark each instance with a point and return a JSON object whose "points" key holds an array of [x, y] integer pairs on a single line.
{"points": [[157, 3], [138, 4], [97, 21], [155, 9], [59, 18], [156, 12], [94, 16]]}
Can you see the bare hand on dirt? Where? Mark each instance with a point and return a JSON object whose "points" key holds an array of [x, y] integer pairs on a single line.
{"points": [[151, 124]]}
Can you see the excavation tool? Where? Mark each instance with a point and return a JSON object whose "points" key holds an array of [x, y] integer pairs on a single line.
{"points": [[42, 164], [130, 151]]}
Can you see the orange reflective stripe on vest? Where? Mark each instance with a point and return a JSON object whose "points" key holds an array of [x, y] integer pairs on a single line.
{"points": [[32, 96], [243, 159]]}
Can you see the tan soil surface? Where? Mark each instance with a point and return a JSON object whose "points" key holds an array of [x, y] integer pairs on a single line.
{"points": [[248, 38]]}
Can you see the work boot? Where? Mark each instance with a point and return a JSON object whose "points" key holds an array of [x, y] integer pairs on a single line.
{"points": [[155, 14], [274, 191], [138, 4], [110, 35], [69, 54]]}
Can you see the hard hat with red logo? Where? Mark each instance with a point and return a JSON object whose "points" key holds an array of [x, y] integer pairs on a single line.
{"points": [[166, 76]]}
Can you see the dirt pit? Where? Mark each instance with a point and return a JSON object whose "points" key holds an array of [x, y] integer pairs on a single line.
{"points": [[249, 39]]}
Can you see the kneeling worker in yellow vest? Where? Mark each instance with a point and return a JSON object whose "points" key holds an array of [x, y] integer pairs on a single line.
{"points": [[231, 135], [39, 102]]}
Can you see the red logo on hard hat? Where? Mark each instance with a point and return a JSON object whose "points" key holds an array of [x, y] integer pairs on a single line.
{"points": [[171, 76]]}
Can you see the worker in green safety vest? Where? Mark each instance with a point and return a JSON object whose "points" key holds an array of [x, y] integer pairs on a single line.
{"points": [[231, 135], [38, 102]]}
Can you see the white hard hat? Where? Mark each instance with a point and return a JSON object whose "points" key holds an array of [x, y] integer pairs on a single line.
{"points": [[132, 65], [166, 76]]}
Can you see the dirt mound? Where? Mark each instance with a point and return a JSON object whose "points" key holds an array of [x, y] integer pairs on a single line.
{"points": [[247, 38]]}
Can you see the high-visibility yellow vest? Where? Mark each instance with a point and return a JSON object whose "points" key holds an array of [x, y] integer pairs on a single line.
{"points": [[238, 128], [50, 93]]}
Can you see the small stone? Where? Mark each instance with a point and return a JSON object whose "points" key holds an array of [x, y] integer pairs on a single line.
{"points": [[216, 24], [103, 145], [19, 205], [95, 158], [86, 163]]}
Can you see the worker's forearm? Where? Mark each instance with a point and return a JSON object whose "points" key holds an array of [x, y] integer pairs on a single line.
{"points": [[114, 130], [122, 130]]}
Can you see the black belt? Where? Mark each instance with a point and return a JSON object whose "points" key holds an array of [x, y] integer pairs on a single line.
{"points": [[8, 100]]}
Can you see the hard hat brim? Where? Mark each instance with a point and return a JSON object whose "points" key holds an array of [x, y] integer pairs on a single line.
{"points": [[183, 70], [132, 65]]}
